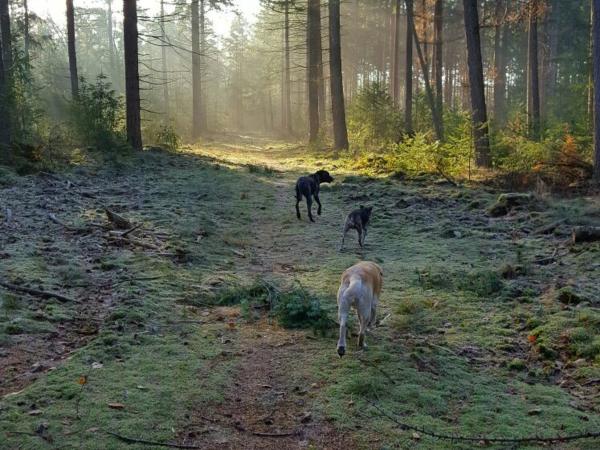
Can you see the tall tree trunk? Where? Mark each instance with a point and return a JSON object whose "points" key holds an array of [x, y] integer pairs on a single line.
{"points": [[596, 34], [319, 51], [26, 36], [475, 65], [591, 87], [111, 44], [196, 72], [439, 55], [408, 77], [500, 38], [72, 51], [396, 56], [203, 52], [552, 66], [287, 112], [6, 40], [533, 84], [438, 124], [132, 77], [313, 35], [163, 48], [340, 132], [5, 109]]}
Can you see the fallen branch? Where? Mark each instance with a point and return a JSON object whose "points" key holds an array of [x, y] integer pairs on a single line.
{"points": [[37, 293], [131, 230], [486, 439], [286, 434], [547, 229], [130, 440]]}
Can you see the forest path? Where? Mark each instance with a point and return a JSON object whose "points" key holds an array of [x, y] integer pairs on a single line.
{"points": [[478, 334]]}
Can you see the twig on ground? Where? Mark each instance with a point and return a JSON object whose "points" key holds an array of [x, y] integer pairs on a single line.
{"points": [[37, 293], [132, 229], [130, 440], [483, 438]]}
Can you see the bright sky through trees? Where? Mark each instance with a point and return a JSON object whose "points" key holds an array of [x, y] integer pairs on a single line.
{"points": [[221, 19]]}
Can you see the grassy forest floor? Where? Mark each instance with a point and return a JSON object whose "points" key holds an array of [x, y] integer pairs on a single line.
{"points": [[488, 325]]}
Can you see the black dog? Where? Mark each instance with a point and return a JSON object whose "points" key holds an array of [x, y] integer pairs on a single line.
{"points": [[357, 220], [309, 188]]}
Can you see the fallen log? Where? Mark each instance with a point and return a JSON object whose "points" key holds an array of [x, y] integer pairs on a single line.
{"points": [[585, 234], [547, 229], [508, 201], [37, 293]]}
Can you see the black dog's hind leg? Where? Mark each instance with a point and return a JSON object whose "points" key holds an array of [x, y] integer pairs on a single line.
{"points": [[360, 235], [364, 236], [309, 207], [298, 199], [318, 203], [346, 228]]}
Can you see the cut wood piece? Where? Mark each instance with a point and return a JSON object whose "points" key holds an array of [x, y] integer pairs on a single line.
{"points": [[585, 234], [117, 220]]}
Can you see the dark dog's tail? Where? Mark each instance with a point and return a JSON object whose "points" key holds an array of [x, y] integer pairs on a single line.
{"points": [[298, 193]]}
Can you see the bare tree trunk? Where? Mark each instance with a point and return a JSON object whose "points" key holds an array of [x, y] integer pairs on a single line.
{"points": [[500, 65], [111, 45], [203, 51], [319, 51], [72, 51], [163, 48], [5, 110], [313, 34], [551, 69], [533, 85], [26, 36], [438, 56], [132, 77], [438, 125], [596, 34], [196, 75], [396, 56], [287, 113], [475, 65], [591, 87], [340, 132], [408, 80]]}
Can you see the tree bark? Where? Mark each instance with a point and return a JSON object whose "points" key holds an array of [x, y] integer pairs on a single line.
{"points": [[340, 132], [196, 69], [165, 80], [475, 66], [26, 36], [287, 112], [313, 34], [72, 50], [203, 51], [596, 52], [533, 97], [408, 80], [438, 125], [4, 106], [319, 51], [500, 37], [396, 56], [132, 78], [438, 56], [111, 46]]}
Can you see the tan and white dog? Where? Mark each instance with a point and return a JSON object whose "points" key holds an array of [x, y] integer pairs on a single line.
{"points": [[360, 289]]}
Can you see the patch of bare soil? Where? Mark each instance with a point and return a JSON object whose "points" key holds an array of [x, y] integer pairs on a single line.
{"points": [[267, 404]]}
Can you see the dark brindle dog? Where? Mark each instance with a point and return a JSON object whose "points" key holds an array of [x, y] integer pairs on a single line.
{"points": [[357, 220], [309, 187]]}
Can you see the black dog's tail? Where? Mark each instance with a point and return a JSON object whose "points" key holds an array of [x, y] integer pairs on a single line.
{"points": [[298, 193]]}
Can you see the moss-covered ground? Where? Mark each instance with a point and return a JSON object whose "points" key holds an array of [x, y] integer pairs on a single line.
{"points": [[488, 326]]}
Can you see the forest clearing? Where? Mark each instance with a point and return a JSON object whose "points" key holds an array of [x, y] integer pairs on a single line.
{"points": [[488, 325], [299, 224]]}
